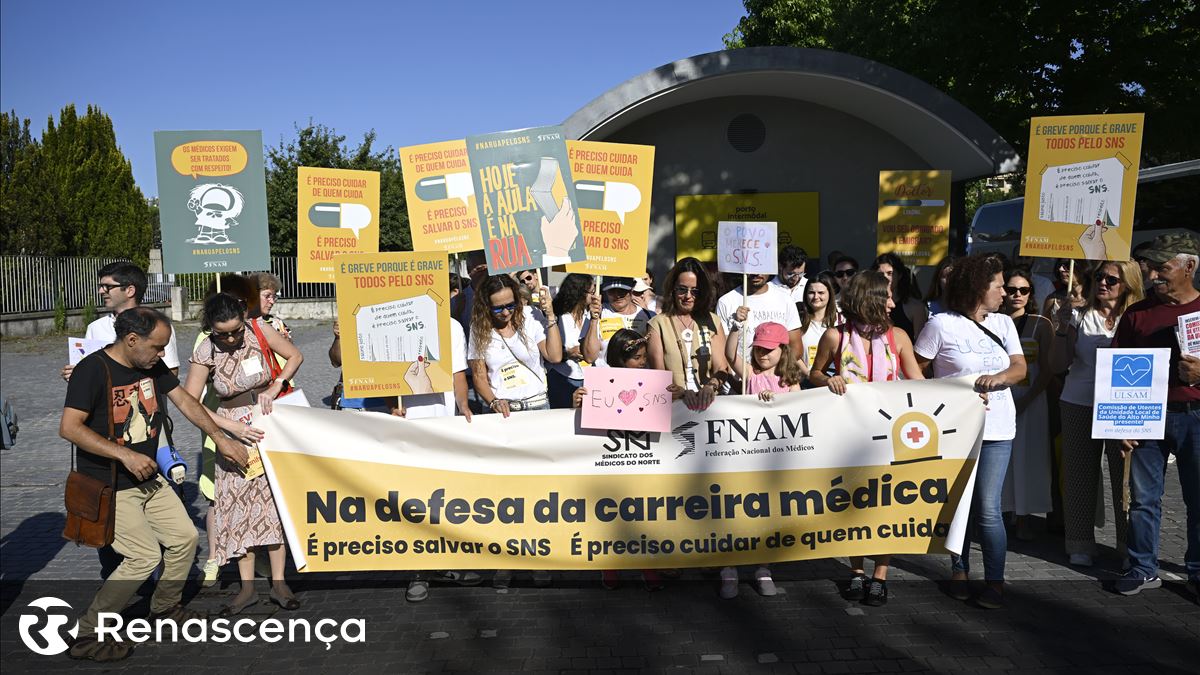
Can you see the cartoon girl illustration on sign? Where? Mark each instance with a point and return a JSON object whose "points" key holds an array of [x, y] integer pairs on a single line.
{"points": [[216, 207]]}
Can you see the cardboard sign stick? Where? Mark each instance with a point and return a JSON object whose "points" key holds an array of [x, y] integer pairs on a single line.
{"points": [[598, 333], [1070, 279], [218, 275], [742, 334]]}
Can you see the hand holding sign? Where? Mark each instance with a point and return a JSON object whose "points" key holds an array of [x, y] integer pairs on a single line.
{"points": [[626, 398]]}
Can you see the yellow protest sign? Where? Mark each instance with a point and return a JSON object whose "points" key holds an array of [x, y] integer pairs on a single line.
{"points": [[337, 211], [1080, 186], [613, 182], [696, 218], [394, 318], [914, 215], [441, 197]]}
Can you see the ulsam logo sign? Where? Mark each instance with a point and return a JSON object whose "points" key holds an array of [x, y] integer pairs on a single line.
{"points": [[1132, 370], [47, 639]]}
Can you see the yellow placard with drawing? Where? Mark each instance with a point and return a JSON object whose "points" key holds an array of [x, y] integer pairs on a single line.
{"points": [[696, 218], [914, 215], [394, 319], [337, 211], [440, 197], [613, 182], [1080, 186]]}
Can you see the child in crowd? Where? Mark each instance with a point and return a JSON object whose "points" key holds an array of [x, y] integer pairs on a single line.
{"points": [[773, 368], [627, 349]]}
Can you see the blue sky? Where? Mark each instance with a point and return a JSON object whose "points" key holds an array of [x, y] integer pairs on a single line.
{"points": [[416, 72]]}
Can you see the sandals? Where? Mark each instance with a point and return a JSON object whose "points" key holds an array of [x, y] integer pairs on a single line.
{"points": [[290, 603], [89, 648]]}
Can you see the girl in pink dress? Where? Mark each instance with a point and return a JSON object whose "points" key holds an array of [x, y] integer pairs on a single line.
{"points": [[773, 369]]}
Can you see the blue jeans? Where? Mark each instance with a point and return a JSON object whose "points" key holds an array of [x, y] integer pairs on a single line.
{"points": [[985, 512], [1146, 478]]}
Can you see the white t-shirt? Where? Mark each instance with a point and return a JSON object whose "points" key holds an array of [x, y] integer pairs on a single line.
{"points": [[810, 340], [105, 328], [775, 304], [611, 322], [572, 336], [1091, 334], [417, 406], [957, 347], [519, 377], [797, 291]]}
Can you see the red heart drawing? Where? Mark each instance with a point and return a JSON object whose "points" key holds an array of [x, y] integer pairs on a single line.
{"points": [[627, 396]]}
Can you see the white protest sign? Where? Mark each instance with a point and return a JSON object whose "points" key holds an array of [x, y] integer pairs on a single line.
{"points": [[747, 248], [1131, 393], [1188, 332], [77, 348], [399, 331]]}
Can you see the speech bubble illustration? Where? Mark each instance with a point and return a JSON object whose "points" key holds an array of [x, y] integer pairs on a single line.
{"points": [[621, 198], [209, 158], [451, 186], [348, 216]]}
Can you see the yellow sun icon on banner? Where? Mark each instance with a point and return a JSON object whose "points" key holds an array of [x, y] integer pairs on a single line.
{"points": [[914, 434]]}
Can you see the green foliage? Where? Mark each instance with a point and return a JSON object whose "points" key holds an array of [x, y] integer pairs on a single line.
{"points": [[320, 146], [71, 192], [1009, 61], [89, 313], [60, 312]]}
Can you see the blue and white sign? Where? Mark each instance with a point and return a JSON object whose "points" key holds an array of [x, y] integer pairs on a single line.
{"points": [[1131, 393]]}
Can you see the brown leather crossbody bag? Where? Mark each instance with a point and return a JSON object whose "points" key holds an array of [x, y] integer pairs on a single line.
{"points": [[91, 503]]}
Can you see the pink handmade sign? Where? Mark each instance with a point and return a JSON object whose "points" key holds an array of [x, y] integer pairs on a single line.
{"points": [[626, 398]]}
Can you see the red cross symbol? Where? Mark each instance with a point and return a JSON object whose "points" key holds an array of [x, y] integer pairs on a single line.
{"points": [[915, 435]]}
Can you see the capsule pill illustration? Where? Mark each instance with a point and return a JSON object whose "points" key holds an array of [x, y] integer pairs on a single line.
{"points": [[349, 216]]}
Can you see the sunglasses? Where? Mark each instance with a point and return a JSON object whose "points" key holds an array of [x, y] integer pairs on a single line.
{"points": [[1017, 290], [229, 334], [1107, 279], [687, 290], [527, 278], [618, 292], [845, 273], [793, 275], [500, 309]]}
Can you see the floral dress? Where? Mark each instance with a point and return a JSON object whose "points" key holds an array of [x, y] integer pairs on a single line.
{"points": [[244, 513]]}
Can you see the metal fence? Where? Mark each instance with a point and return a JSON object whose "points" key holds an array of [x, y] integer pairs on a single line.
{"points": [[40, 283], [283, 267]]}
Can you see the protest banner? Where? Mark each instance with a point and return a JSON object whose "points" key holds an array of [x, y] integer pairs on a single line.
{"points": [[442, 213], [1188, 331], [212, 201], [1131, 393], [337, 211], [747, 248], [525, 196], [914, 216], [696, 218], [613, 182], [394, 316], [626, 398], [743, 482], [1080, 184]]}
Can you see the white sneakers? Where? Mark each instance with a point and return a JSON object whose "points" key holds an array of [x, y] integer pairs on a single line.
{"points": [[765, 584], [729, 582]]}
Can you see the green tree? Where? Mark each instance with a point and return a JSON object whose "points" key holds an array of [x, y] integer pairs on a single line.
{"points": [[72, 192], [1010, 61], [319, 146]]}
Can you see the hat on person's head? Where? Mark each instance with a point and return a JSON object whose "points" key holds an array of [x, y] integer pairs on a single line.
{"points": [[1166, 246], [640, 286], [609, 283], [769, 335]]}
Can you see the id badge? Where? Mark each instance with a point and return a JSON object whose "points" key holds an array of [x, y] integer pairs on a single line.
{"points": [[252, 366]]}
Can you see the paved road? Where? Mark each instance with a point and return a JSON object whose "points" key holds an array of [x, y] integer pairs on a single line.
{"points": [[1058, 618]]}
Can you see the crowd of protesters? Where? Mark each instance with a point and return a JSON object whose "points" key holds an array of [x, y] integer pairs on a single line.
{"points": [[519, 345]]}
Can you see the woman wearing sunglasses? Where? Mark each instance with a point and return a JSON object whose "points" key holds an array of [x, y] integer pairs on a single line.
{"points": [[1115, 286], [1027, 484], [507, 348], [238, 354], [687, 337]]}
